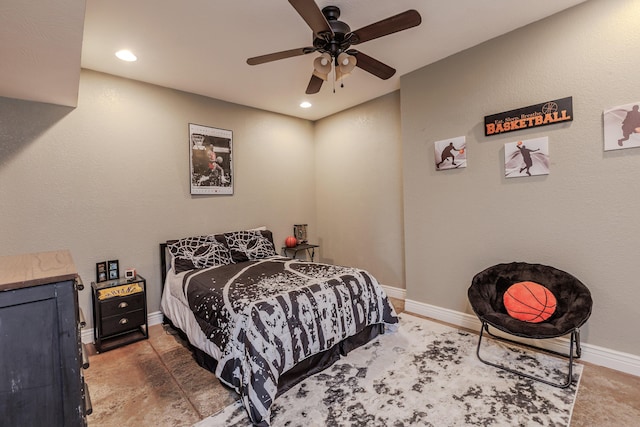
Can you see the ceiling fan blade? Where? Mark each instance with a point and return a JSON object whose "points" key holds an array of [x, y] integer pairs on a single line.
{"points": [[279, 55], [372, 65], [314, 85], [312, 15], [402, 21]]}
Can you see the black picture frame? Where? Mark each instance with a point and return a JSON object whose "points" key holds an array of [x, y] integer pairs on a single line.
{"points": [[210, 160], [113, 269], [101, 271]]}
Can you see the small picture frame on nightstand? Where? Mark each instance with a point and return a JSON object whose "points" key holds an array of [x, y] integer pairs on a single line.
{"points": [[114, 272], [300, 232], [101, 271]]}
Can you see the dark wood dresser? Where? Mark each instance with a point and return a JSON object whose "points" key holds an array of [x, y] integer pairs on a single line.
{"points": [[41, 355]]}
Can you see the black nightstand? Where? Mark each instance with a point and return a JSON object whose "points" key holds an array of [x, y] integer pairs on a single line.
{"points": [[119, 312], [311, 250]]}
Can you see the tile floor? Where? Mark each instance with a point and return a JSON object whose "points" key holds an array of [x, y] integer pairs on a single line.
{"points": [[156, 382]]}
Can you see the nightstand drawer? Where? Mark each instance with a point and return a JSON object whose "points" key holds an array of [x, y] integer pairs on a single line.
{"points": [[119, 305], [122, 323]]}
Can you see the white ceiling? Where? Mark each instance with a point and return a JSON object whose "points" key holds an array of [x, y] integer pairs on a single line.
{"points": [[201, 46]]}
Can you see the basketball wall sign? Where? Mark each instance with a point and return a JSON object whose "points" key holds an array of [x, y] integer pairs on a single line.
{"points": [[546, 113]]}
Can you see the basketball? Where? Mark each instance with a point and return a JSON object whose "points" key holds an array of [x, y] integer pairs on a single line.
{"points": [[290, 242], [529, 302], [462, 151], [519, 143]]}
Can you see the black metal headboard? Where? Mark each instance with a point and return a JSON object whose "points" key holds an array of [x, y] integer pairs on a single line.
{"points": [[163, 261]]}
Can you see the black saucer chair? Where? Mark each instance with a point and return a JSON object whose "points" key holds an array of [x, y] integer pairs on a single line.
{"points": [[572, 310]]}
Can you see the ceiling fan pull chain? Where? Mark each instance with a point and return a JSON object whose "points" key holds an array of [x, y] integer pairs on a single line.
{"points": [[334, 79]]}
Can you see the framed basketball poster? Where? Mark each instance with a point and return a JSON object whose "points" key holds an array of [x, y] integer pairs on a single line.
{"points": [[210, 160]]}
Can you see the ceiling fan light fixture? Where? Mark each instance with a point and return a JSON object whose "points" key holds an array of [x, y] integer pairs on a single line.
{"points": [[346, 64], [322, 66], [323, 76], [343, 58], [322, 63], [341, 75], [325, 59]]}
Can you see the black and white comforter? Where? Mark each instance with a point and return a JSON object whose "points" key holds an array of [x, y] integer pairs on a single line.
{"points": [[265, 316]]}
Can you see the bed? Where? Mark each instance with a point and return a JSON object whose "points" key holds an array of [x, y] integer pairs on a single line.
{"points": [[263, 322]]}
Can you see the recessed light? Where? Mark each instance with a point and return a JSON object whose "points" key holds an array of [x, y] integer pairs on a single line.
{"points": [[305, 104], [126, 55]]}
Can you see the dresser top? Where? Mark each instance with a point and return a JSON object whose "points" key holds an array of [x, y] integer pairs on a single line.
{"points": [[22, 271]]}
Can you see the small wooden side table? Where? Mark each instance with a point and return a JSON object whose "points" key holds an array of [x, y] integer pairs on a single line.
{"points": [[311, 250]]}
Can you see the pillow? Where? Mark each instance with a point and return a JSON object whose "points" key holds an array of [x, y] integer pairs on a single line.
{"points": [[529, 302], [198, 252], [250, 245]]}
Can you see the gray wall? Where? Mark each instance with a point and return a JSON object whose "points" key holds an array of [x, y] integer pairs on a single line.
{"points": [[110, 179], [581, 218], [359, 188]]}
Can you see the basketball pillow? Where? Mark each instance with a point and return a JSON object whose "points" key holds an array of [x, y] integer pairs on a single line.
{"points": [[529, 302]]}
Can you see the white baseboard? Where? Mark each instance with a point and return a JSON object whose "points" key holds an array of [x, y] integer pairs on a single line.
{"points": [[394, 292], [87, 336], [624, 362], [154, 318]]}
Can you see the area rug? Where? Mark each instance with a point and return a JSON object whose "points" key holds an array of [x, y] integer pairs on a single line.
{"points": [[424, 374]]}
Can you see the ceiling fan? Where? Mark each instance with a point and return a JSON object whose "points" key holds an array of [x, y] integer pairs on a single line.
{"points": [[333, 39]]}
